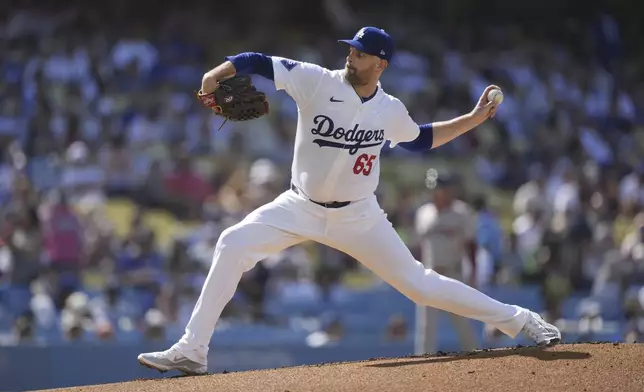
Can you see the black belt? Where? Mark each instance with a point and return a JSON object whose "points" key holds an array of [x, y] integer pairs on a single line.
{"points": [[333, 204]]}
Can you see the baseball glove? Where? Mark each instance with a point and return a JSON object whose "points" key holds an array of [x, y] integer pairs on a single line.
{"points": [[236, 99]]}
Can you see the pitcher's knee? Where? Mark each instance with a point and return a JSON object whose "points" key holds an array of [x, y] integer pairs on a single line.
{"points": [[422, 288], [230, 244]]}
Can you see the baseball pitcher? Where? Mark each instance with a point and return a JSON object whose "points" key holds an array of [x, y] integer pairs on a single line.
{"points": [[344, 120]]}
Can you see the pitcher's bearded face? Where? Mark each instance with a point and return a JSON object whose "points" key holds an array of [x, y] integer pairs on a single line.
{"points": [[362, 68]]}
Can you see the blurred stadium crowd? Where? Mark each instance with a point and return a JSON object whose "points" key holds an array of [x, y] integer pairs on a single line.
{"points": [[115, 183]]}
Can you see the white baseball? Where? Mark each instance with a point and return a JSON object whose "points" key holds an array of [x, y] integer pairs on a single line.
{"points": [[495, 95]]}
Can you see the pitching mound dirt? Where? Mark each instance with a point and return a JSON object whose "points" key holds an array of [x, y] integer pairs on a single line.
{"points": [[576, 367]]}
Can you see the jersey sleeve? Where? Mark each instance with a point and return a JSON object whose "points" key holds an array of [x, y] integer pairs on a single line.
{"points": [[299, 79], [402, 128]]}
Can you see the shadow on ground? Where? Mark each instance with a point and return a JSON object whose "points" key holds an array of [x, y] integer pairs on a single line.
{"points": [[533, 352]]}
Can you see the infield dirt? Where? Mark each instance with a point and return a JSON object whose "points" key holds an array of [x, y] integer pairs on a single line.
{"points": [[571, 367]]}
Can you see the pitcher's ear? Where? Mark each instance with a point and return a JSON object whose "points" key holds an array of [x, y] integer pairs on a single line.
{"points": [[383, 64]]}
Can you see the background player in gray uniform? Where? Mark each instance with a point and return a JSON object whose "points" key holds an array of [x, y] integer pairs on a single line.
{"points": [[446, 228]]}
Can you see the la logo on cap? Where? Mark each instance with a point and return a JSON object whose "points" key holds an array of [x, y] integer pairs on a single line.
{"points": [[360, 33]]}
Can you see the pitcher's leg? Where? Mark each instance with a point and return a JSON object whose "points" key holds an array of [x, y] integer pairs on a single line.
{"points": [[238, 249], [266, 231], [381, 250]]}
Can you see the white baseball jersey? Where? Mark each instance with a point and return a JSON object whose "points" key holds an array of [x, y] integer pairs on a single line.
{"points": [[339, 138]]}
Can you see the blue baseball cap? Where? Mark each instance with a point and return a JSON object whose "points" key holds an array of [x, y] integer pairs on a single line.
{"points": [[373, 41]]}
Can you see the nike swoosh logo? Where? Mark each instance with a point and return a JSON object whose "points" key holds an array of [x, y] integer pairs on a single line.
{"points": [[335, 100], [183, 361]]}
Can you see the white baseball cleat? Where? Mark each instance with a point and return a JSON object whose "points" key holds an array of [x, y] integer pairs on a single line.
{"points": [[171, 359], [543, 333]]}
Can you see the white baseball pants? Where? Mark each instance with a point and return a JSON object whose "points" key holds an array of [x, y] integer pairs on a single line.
{"points": [[426, 337], [362, 231]]}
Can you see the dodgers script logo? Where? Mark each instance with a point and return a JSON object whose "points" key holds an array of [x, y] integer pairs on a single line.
{"points": [[353, 139]]}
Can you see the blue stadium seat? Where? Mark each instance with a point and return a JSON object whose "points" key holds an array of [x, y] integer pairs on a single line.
{"points": [[51, 335], [528, 296], [6, 320], [570, 306], [127, 336], [276, 308], [17, 299], [610, 300], [363, 323], [257, 334]]}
